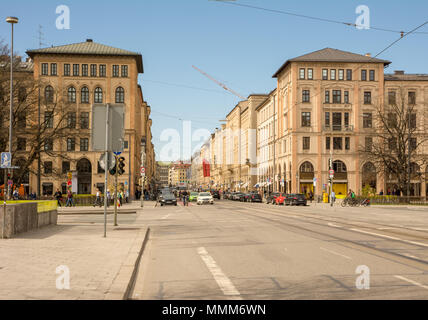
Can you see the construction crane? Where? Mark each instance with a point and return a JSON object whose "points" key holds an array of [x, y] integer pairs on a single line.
{"points": [[219, 83]]}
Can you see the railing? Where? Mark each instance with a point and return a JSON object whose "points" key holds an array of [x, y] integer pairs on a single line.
{"points": [[339, 128], [396, 200]]}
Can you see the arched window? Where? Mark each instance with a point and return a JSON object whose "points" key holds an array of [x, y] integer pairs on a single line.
{"points": [[49, 94], [339, 166], [307, 167], [71, 95], [84, 95], [98, 96], [120, 95]]}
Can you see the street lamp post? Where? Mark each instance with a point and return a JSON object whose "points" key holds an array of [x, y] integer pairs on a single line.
{"points": [[143, 145], [12, 21]]}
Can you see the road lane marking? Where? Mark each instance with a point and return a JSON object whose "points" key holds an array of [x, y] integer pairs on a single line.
{"points": [[410, 256], [338, 254], [166, 217], [333, 225], [393, 238], [222, 280], [412, 282]]}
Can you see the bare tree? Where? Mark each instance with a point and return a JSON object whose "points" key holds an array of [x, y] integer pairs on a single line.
{"points": [[396, 145]]}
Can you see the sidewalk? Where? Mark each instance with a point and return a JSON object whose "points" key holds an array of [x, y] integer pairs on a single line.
{"points": [[127, 208], [100, 268]]}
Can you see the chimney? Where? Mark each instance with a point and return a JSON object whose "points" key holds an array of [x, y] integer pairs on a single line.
{"points": [[89, 40], [399, 72], [368, 55]]}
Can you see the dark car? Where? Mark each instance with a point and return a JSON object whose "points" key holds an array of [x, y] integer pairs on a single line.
{"points": [[237, 196], [255, 197], [244, 197], [215, 194], [167, 199], [272, 198], [294, 199]]}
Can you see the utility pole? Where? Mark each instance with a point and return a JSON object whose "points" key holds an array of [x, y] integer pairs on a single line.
{"points": [[115, 192], [106, 168], [274, 144], [331, 168], [409, 151]]}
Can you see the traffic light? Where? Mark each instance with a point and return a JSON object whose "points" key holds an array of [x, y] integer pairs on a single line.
{"points": [[121, 166], [113, 171]]}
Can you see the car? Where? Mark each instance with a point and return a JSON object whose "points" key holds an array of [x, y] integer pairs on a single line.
{"points": [[255, 197], [296, 199], [226, 195], [215, 194], [193, 196], [271, 198], [243, 197], [205, 198], [280, 199], [237, 196], [167, 199]]}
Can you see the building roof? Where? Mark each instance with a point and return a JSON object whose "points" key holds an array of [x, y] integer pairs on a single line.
{"points": [[332, 55], [406, 77], [89, 48]]}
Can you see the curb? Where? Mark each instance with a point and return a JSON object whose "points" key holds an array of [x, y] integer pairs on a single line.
{"points": [[70, 213], [124, 282]]}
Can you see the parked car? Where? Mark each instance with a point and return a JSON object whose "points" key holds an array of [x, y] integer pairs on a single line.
{"points": [[205, 198], [271, 198], [295, 199], [237, 196], [280, 199], [215, 194], [167, 199], [226, 195], [193, 196], [244, 197], [255, 197]]}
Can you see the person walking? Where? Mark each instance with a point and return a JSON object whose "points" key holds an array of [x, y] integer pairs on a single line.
{"points": [[127, 196], [58, 197], [120, 198], [98, 199], [184, 196], [108, 198], [333, 197], [69, 199]]}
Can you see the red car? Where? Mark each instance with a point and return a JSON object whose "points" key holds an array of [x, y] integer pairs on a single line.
{"points": [[280, 199]]}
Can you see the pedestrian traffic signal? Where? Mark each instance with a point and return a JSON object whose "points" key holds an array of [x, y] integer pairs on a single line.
{"points": [[121, 166]]}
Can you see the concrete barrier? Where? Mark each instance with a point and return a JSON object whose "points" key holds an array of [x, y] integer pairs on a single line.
{"points": [[23, 217]]}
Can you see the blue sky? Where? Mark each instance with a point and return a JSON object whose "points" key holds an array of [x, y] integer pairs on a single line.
{"points": [[241, 47]]}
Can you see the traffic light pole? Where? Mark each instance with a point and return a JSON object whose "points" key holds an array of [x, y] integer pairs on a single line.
{"points": [[115, 193], [4, 204], [106, 168]]}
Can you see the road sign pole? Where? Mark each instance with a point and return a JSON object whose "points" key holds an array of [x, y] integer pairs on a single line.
{"points": [[115, 193], [4, 204], [106, 169]]}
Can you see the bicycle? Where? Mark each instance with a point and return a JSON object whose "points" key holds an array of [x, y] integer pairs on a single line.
{"points": [[352, 202]]}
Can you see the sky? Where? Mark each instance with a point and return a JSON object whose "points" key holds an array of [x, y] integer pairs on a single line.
{"points": [[239, 46]]}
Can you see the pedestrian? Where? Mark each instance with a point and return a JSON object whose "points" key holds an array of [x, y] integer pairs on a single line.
{"points": [[58, 197], [98, 199], [184, 197], [333, 197], [69, 199], [381, 193], [15, 194], [120, 198], [127, 196]]}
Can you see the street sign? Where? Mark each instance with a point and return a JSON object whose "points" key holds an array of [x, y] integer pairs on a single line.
{"points": [[315, 182], [116, 127], [143, 171], [117, 153], [112, 162], [331, 174], [6, 160]]}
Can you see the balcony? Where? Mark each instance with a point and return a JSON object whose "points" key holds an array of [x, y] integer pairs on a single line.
{"points": [[338, 128]]}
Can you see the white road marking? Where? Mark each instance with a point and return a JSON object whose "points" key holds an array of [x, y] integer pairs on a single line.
{"points": [[222, 280], [410, 256], [338, 254], [393, 238], [333, 225], [166, 217], [412, 282]]}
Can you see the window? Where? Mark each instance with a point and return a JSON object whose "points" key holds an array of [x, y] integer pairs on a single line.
{"points": [[84, 144], [327, 143], [327, 96], [76, 69], [349, 74], [413, 144], [84, 120], [65, 167], [54, 69], [347, 143], [363, 75], [341, 74], [324, 74], [49, 144], [302, 74], [306, 119], [93, 70], [346, 119], [49, 119], [369, 144], [310, 74], [71, 95], [48, 168], [337, 96], [49, 94], [412, 122], [45, 69], [367, 120], [47, 189], [125, 144], [71, 120], [367, 97], [102, 70], [71, 144], [98, 96], [392, 120], [306, 96], [391, 98], [84, 70], [392, 144], [337, 143], [66, 69], [120, 95], [124, 71], [337, 121], [332, 74], [22, 120], [346, 97], [412, 97], [115, 71], [306, 143], [100, 170], [327, 119], [22, 144], [372, 75], [84, 95]]}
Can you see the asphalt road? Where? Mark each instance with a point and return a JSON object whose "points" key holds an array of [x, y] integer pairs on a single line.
{"points": [[235, 250]]}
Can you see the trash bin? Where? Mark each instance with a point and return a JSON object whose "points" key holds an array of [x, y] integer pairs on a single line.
{"points": [[325, 198]]}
